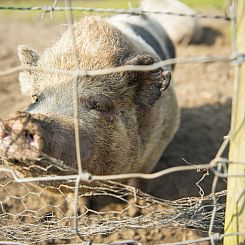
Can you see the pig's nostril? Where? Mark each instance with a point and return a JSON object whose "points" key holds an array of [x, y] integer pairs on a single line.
{"points": [[29, 136], [4, 133]]}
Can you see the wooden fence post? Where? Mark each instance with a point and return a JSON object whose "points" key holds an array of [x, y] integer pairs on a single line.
{"points": [[235, 203]]}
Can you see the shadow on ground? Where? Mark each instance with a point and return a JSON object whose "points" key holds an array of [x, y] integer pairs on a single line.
{"points": [[200, 134], [209, 36]]}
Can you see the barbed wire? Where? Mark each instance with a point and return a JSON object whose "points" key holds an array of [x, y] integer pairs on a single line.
{"points": [[88, 177], [113, 10], [187, 207]]}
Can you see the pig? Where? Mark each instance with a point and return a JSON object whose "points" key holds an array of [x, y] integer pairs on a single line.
{"points": [[126, 119], [180, 29]]}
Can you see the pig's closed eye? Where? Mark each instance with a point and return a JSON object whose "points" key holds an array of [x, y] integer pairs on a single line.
{"points": [[100, 107], [100, 103]]}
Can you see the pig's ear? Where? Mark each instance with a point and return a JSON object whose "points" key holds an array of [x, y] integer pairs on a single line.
{"points": [[149, 84], [28, 56]]}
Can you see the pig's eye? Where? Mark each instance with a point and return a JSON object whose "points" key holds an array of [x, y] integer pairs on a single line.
{"points": [[98, 107], [100, 103]]}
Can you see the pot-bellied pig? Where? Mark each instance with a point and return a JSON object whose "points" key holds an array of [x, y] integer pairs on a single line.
{"points": [[126, 119]]}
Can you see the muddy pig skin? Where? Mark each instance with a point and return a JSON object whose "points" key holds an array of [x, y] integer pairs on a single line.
{"points": [[126, 119]]}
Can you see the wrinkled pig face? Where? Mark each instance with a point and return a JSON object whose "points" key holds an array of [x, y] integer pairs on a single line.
{"points": [[109, 106], [107, 124]]}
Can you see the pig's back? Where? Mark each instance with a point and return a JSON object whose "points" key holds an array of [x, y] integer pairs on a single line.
{"points": [[146, 31]]}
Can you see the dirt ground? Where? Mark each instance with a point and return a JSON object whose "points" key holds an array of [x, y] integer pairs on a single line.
{"points": [[204, 94]]}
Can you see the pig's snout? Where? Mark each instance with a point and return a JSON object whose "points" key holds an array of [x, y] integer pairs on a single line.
{"points": [[20, 137], [39, 137]]}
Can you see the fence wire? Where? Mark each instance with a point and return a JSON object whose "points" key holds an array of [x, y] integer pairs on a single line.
{"points": [[47, 9], [73, 205]]}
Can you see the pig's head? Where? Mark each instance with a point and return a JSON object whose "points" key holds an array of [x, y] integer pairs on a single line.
{"points": [[115, 111]]}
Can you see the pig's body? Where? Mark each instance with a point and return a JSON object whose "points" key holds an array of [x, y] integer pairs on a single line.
{"points": [[126, 119], [157, 124], [146, 31]]}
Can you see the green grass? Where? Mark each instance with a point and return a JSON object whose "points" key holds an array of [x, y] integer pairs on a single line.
{"points": [[60, 16], [206, 4]]}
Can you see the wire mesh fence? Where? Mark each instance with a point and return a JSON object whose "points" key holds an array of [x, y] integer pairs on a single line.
{"points": [[74, 205]]}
